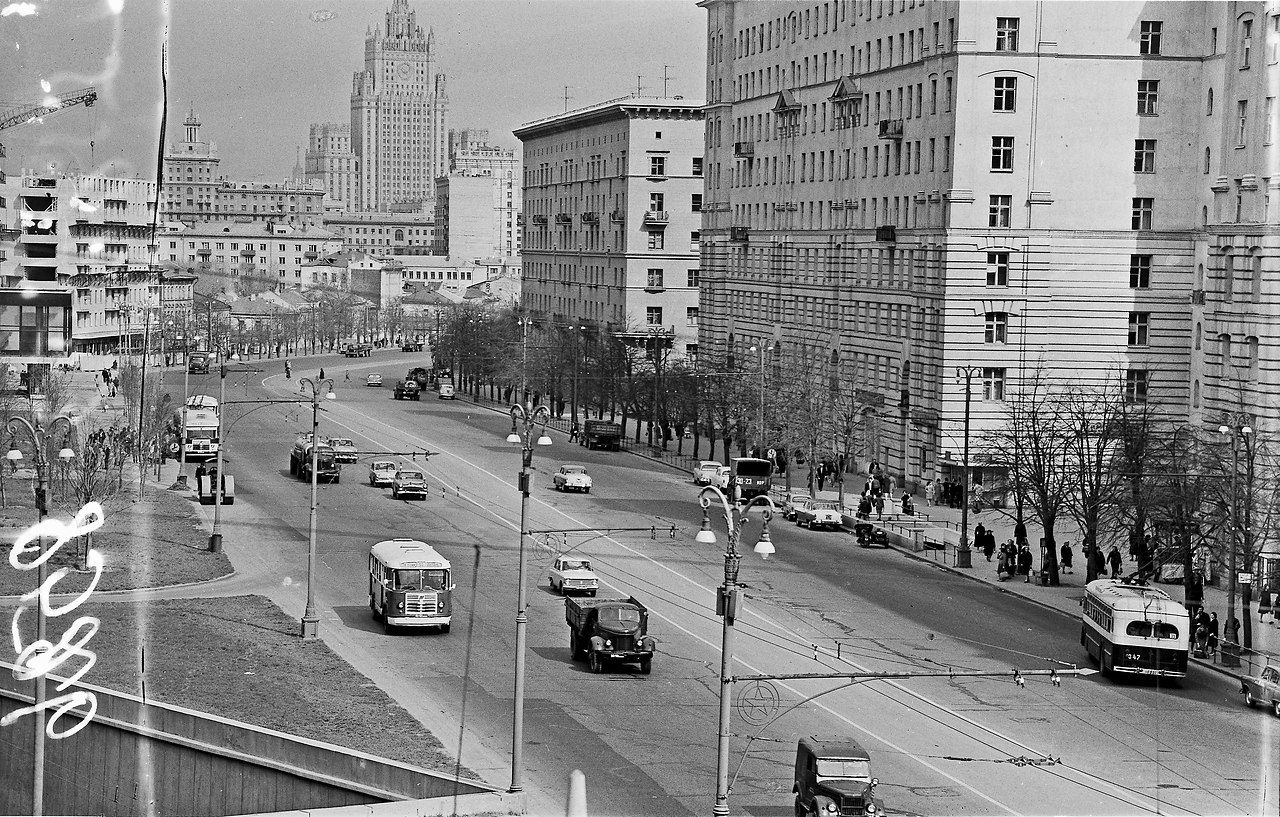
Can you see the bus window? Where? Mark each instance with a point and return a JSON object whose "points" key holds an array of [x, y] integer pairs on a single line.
{"points": [[1151, 629], [1138, 629], [753, 468], [1164, 629], [420, 579]]}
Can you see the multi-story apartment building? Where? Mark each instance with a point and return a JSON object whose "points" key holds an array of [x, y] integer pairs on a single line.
{"points": [[612, 195], [331, 164], [383, 233], [898, 189], [398, 114], [224, 252], [477, 215], [191, 178], [470, 152], [1235, 300], [295, 202]]}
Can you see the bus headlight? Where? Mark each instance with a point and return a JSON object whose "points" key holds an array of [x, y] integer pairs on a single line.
{"points": [[608, 645]]}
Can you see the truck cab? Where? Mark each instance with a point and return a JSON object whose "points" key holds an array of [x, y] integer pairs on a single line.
{"points": [[833, 776]]}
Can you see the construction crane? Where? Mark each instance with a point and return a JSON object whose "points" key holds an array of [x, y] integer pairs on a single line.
{"points": [[18, 116]]}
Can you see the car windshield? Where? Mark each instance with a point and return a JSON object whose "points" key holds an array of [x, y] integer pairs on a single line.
{"points": [[800, 497], [826, 506], [420, 579], [410, 476], [620, 617], [574, 469], [339, 441], [1151, 629], [576, 564], [853, 769], [384, 466]]}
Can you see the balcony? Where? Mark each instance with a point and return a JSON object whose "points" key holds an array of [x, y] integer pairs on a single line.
{"points": [[890, 128], [887, 234], [564, 218], [657, 218], [842, 122], [205, 251], [540, 220], [247, 252], [737, 233], [590, 218], [745, 150], [617, 217], [311, 255]]}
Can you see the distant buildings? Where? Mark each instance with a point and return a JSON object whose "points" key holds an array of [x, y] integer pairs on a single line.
{"points": [[231, 256], [398, 114], [612, 221], [190, 176], [331, 163]]}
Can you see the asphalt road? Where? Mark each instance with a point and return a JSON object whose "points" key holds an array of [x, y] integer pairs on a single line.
{"points": [[647, 743]]}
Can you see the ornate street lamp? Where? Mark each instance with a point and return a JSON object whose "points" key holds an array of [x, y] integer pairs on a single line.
{"points": [[310, 619], [1239, 429]]}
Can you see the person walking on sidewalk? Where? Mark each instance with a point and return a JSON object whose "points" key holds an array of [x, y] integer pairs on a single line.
{"points": [[980, 538], [1066, 557], [989, 545], [573, 432], [930, 491], [1025, 560], [1113, 558]]}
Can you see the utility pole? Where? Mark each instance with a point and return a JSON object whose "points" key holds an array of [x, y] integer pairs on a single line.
{"points": [[665, 79], [964, 556]]}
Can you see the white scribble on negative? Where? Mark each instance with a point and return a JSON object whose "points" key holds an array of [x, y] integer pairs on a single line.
{"points": [[323, 15], [45, 86], [20, 9]]}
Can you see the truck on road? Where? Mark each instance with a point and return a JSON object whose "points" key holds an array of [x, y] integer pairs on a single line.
{"points": [[609, 631], [202, 430], [601, 434], [327, 468]]}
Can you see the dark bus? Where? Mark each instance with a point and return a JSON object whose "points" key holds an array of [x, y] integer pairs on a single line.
{"points": [[752, 476]]}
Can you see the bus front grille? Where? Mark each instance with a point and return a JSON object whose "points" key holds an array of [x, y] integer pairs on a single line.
{"points": [[421, 604]]}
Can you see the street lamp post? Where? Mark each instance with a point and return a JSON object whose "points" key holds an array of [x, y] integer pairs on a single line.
{"points": [[735, 518], [40, 438], [310, 619], [524, 437], [762, 349], [215, 536], [964, 556], [1238, 429]]}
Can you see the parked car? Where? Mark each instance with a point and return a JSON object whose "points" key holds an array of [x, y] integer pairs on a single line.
{"points": [[446, 392], [572, 477], [723, 475], [374, 379], [409, 483], [1263, 688], [568, 574], [407, 390], [705, 472], [382, 472], [818, 513], [344, 450], [411, 347], [793, 499]]}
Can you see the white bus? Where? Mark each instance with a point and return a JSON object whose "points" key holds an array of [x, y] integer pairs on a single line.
{"points": [[410, 585], [1134, 628], [203, 433]]}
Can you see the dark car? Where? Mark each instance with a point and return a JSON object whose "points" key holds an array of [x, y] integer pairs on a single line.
{"points": [[407, 390], [411, 347], [198, 363], [833, 776], [420, 376]]}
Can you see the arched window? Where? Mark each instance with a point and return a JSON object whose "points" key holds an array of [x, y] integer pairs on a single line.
{"points": [[1224, 354], [1208, 108], [399, 235], [1204, 216], [1199, 330], [1195, 393], [1206, 160], [1228, 277]]}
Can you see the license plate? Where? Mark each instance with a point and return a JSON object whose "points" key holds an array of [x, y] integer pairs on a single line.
{"points": [[1145, 671], [617, 655]]}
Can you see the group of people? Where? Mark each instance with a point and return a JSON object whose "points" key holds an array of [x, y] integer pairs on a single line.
{"points": [[1014, 560], [944, 492], [110, 382], [1204, 626]]}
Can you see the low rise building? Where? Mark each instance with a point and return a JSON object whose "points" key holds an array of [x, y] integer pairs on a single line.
{"points": [[226, 254]]}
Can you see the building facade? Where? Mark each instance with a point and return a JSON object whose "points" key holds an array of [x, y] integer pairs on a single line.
{"points": [[477, 214], [331, 164], [293, 202], [898, 190], [399, 108], [191, 177], [383, 233], [231, 255], [612, 200]]}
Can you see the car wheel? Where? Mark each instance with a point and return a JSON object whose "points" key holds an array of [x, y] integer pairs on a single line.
{"points": [[560, 588], [573, 646], [444, 628], [387, 629], [646, 666], [1275, 707], [1249, 700], [395, 494], [586, 490], [592, 594], [593, 661]]}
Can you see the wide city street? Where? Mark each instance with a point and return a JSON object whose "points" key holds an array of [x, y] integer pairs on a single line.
{"points": [[939, 745]]}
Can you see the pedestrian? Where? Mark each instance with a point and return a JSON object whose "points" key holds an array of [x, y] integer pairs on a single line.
{"points": [[908, 508], [893, 485], [879, 503], [200, 472], [322, 373], [1213, 635], [1066, 557], [930, 491], [1098, 562], [346, 375], [573, 432], [980, 537], [288, 370], [1115, 561], [1020, 533], [1025, 560], [1264, 604]]}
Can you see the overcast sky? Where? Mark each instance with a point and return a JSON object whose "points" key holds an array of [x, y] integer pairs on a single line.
{"points": [[259, 72]]}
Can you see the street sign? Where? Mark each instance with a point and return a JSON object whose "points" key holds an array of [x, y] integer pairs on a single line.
{"points": [[773, 454], [1244, 577]]}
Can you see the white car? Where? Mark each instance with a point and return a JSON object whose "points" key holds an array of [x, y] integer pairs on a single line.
{"points": [[818, 513], [409, 483], [570, 575], [344, 450], [382, 472], [374, 379], [705, 472], [446, 392], [572, 477], [723, 475], [793, 499]]}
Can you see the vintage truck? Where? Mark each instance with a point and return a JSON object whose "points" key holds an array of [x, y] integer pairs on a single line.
{"points": [[601, 434], [833, 776], [327, 468], [609, 630], [207, 487]]}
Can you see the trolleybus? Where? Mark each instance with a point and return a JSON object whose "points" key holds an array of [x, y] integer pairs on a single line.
{"points": [[410, 585], [1136, 629]]}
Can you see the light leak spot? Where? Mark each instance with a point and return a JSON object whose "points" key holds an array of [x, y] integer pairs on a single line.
{"points": [[20, 9]]}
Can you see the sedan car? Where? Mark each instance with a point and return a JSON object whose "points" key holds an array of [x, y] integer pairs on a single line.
{"points": [[723, 475], [374, 379], [409, 483], [382, 472], [447, 392], [570, 575], [818, 513], [704, 473], [572, 477], [793, 499], [1263, 688], [344, 450]]}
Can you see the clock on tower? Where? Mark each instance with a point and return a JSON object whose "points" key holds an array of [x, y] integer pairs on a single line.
{"points": [[404, 70]]}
